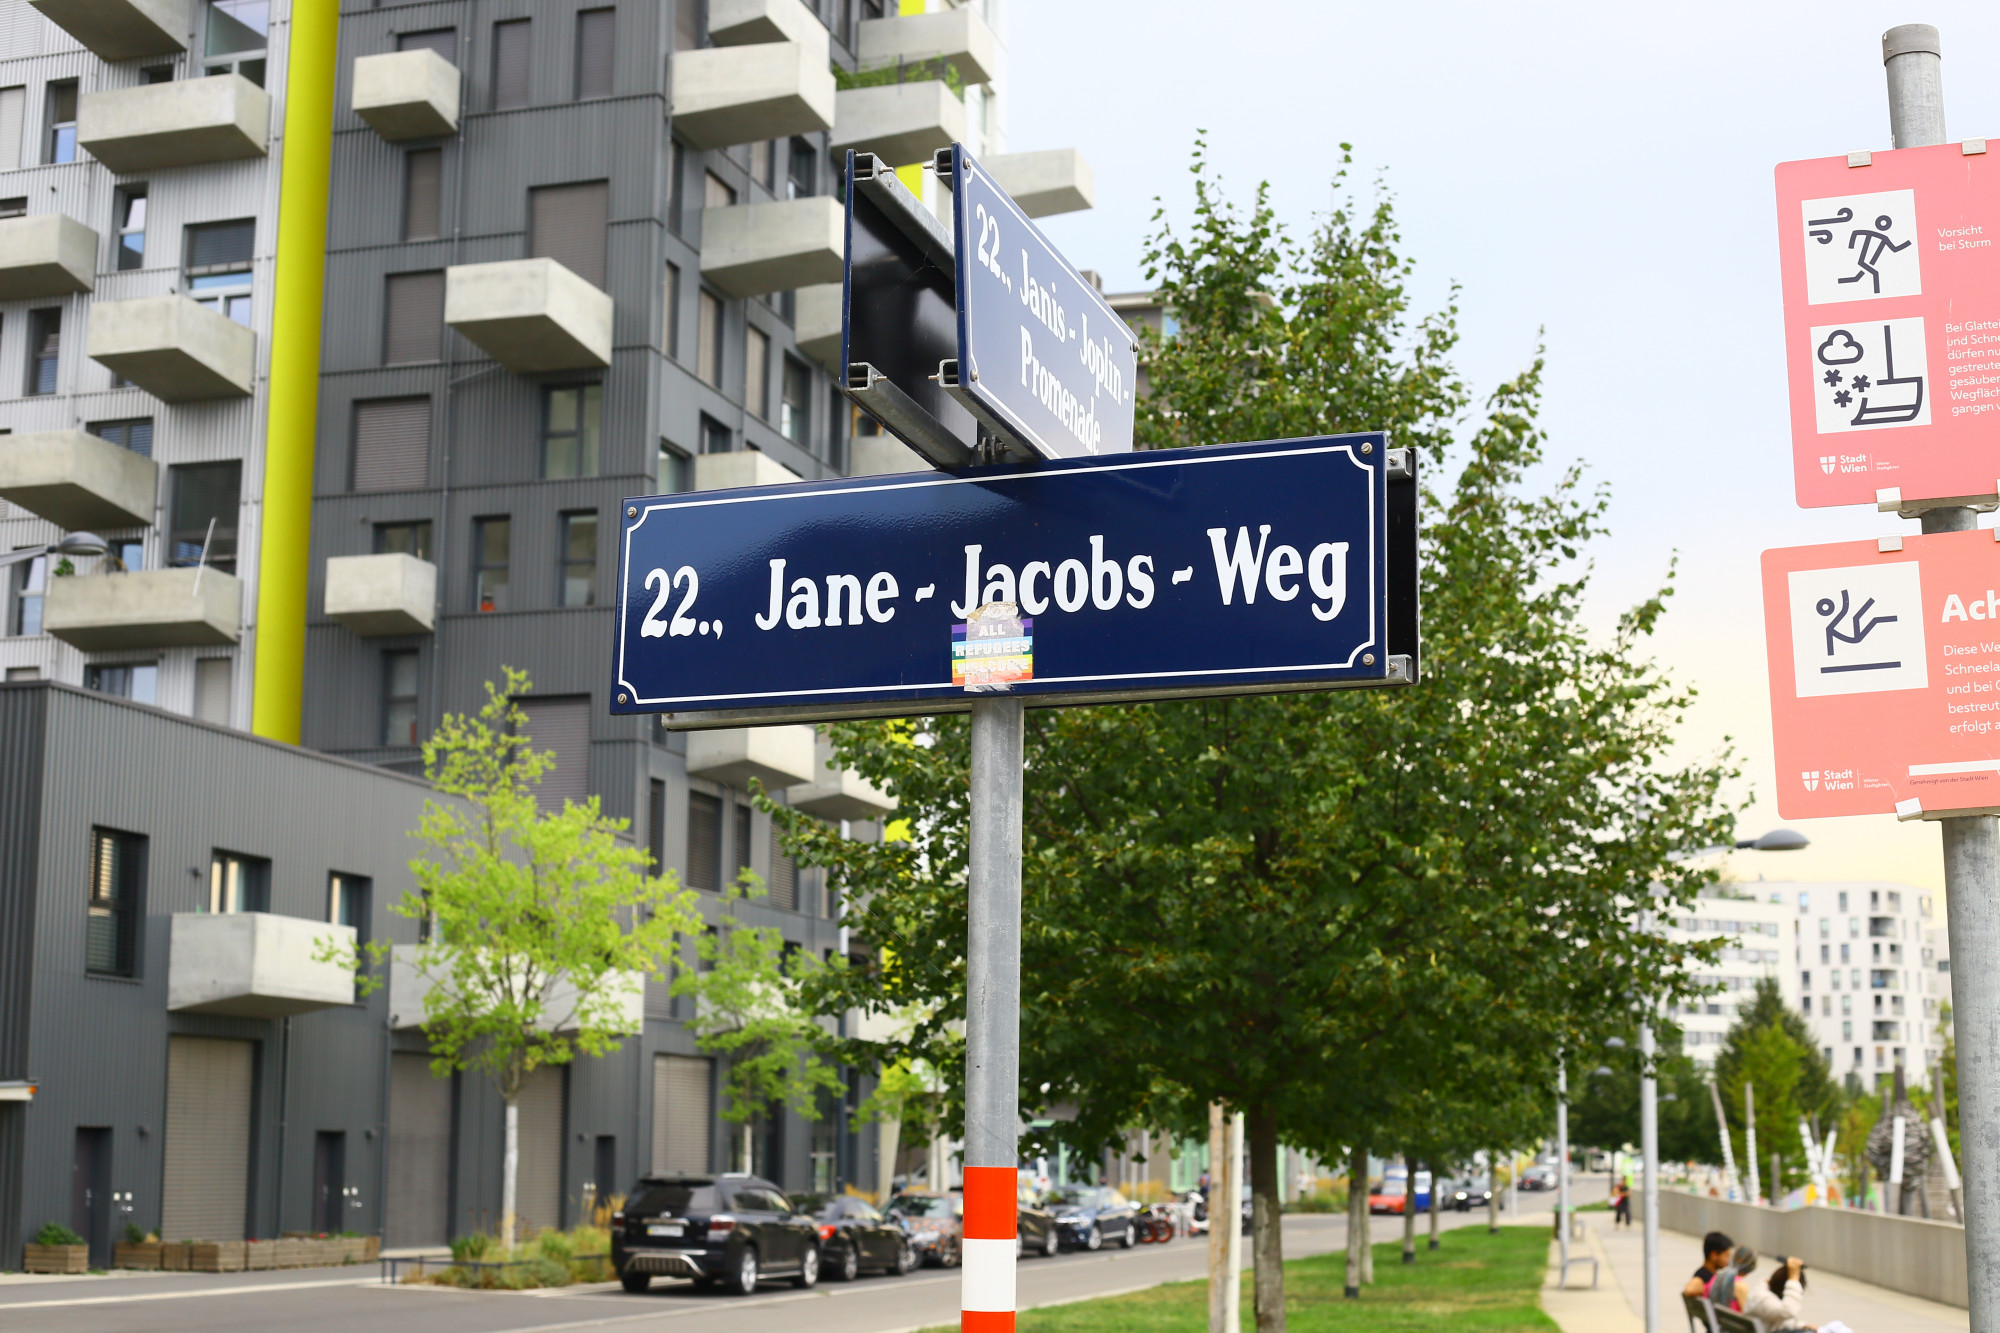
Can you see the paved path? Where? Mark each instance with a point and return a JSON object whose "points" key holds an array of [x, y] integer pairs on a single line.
{"points": [[1618, 1304]]}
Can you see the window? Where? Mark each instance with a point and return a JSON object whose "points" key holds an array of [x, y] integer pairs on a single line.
{"points": [[708, 339], [675, 170], [219, 267], [491, 540], [596, 52], [675, 472], [572, 423], [795, 409], [444, 41], [13, 109], [423, 194], [656, 824], [704, 841], [237, 35], [412, 538], [578, 576], [59, 140], [30, 579], [399, 697], [716, 438], [1805, 903], [412, 318], [117, 892], [561, 726], [347, 898], [392, 444], [716, 193], [567, 223], [743, 813], [205, 500], [238, 883], [211, 690], [137, 681], [801, 170], [134, 433], [17, 205], [1843, 900], [784, 885], [131, 227], [44, 349], [157, 73], [757, 371], [670, 331], [510, 63], [763, 160]]}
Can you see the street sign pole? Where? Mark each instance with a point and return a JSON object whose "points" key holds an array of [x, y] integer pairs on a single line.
{"points": [[1649, 1170], [992, 1015], [1912, 58]]}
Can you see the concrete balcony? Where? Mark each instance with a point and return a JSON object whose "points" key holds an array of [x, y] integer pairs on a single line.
{"points": [[955, 35], [747, 467], [839, 793], [144, 608], [174, 348], [624, 996], [900, 123], [179, 124], [755, 249], [530, 315], [121, 29], [778, 757], [75, 480], [1057, 180], [728, 95], [881, 456], [375, 595], [46, 254], [255, 965], [756, 22], [407, 94], [816, 323]]}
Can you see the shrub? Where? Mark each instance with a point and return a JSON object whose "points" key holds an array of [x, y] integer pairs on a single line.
{"points": [[134, 1234], [1316, 1203], [473, 1247], [55, 1233], [555, 1245]]}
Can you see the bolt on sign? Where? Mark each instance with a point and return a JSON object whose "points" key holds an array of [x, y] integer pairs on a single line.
{"points": [[1885, 675], [1892, 323]]}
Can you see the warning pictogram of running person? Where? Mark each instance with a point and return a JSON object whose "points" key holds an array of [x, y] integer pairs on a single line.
{"points": [[1869, 374], [1862, 247]]}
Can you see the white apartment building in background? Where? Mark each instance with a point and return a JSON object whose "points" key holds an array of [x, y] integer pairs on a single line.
{"points": [[1867, 956], [1755, 920]]}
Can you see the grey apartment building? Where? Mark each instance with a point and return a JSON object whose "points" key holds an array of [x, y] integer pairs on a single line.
{"points": [[576, 251]]}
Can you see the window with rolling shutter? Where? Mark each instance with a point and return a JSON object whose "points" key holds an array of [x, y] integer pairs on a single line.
{"points": [[742, 857], [566, 223], [412, 318], [13, 103], [117, 881], [205, 1177], [392, 444], [510, 63], [419, 1175], [423, 194], [220, 245], [784, 889], [444, 41], [680, 1114], [596, 51], [704, 841], [656, 824], [561, 725], [539, 1191]]}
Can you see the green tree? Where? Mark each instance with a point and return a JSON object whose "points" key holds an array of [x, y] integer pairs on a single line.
{"points": [[539, 920], [747, 986], [1770, 1048], [1303, 905]]}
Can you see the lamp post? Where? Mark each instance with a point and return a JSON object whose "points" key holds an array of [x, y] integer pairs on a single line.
{"points": [[78, 544]]}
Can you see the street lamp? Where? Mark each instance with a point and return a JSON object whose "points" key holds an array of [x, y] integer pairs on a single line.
{"points": [[1777, 840], [76, 543]]}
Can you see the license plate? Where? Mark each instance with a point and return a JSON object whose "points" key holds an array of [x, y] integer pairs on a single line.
{"points": [[665, 1229]]}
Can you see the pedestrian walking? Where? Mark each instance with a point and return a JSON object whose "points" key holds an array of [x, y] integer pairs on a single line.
{"points": [[1621, 1203]]}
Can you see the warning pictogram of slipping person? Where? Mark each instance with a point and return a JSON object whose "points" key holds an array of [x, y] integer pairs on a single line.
{"points": [[1868, 375]]}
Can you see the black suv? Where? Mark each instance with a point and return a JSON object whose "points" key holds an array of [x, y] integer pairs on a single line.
{"points": [[735, 1230]]}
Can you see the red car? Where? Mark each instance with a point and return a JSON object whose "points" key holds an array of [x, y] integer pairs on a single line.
{"points": [[1393, 1194]]}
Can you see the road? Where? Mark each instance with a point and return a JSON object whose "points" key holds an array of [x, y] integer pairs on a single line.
{"points": [[332, 1300]]}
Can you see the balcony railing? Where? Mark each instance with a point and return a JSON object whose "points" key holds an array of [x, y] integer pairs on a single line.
{"points": [[75, 480], [144, 608], [121, 29], [375, 595], [173, 347], [181, 123], [530, 315], [900, 123], [756, 249], [775, 756], [46, 254], [407, 94], [255, 965]]}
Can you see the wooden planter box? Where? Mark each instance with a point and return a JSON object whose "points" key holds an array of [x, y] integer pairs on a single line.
{"points": [[144, 1254], [216, 1256], [174, 1256], [259, 1254], [57, 1259]]}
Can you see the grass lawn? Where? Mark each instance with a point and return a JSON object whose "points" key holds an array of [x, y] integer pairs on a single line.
{"points": [[1475, 1281]]}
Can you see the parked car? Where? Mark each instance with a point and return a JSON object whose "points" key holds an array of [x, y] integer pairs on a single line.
{"points": [[1392, 1195], [733, 1230], [1465, 1195], [854, 1236], [934, 1223], [1087, 1216], [1036, 1231], [1538, 1178]]}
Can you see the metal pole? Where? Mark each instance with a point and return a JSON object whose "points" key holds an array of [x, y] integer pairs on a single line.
{"points": [[1750, 1143], [1562, 1164], [1232, 1217], [1649, 1173], [992, 1016], [1972, 912], [1912, 57]]}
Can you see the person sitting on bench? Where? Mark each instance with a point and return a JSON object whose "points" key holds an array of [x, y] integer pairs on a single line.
{"points": [[1778, 1303], [1715, 1250]]}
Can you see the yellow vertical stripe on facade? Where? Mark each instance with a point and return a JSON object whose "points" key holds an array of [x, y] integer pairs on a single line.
{"points": [[912, 177], [285, 530]]}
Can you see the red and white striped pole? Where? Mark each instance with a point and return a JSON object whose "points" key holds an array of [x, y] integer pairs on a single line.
{"points": [[992, 1017]]}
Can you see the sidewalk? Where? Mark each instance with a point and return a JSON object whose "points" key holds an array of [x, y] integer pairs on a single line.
{"points": [[1865, 1308]]}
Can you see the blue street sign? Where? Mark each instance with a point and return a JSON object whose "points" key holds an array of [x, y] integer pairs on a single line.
{"points": [[1041, 356], [1231, 569]]}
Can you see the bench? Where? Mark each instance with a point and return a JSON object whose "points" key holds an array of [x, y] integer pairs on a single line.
{"points": [[1701, 1318], [1728, 1321]]}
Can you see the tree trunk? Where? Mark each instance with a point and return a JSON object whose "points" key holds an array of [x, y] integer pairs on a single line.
{"points": [[1357, 1218], [510, 1170], [1218, 1239], [1232, 1287], [1267, 1247], [886, 1135], [1409, 1210], [1493, 1193], [1436, 1205]]}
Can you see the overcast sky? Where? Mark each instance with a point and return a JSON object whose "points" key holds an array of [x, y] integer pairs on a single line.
{"points": [[1598, 176]]}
